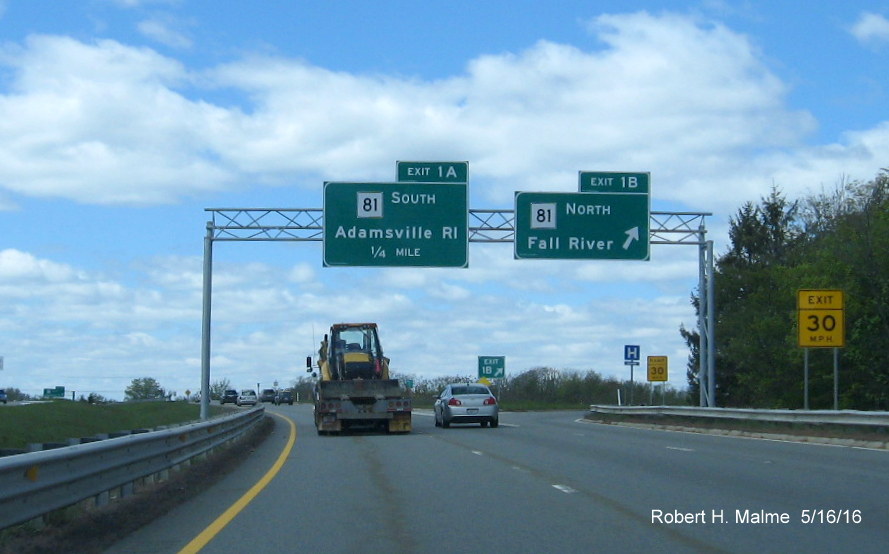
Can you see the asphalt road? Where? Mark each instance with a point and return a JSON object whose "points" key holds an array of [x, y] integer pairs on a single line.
{"points": [[541, 482]]}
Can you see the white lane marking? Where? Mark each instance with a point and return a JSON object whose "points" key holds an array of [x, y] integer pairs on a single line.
{"points": [[679, 448], [564, 488]]}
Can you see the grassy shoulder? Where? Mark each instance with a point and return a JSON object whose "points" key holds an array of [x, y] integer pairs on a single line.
{"points": [[60, 420]]}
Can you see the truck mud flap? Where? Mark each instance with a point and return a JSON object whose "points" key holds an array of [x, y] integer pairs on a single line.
{"points": [[401, 423]]}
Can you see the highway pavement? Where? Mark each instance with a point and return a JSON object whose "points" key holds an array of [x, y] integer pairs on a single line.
{"points": [[541, 482]]}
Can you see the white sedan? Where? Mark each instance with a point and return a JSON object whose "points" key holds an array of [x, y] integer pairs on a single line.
{"points": [[466, 403], [247, 398]]}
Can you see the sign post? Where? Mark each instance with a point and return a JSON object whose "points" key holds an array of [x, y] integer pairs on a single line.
{"points": [[631, 358], [821, 324], [658, 372]]}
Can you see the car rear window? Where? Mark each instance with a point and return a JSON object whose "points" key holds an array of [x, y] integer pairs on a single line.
{"points": [[469, 390]]}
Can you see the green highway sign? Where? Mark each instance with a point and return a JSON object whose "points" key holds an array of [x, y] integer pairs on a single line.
{"points": [[581, 226], [432, 172], [491, 367], [396, 224], [614, 181], [57, 392]]}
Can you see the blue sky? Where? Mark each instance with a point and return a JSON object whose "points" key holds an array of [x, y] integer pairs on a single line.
{"points": [[122, 120]]}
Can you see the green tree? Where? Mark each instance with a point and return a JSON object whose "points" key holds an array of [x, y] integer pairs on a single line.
{"points": [[13, 393], [848, 249], [753, 303], [144, 388], [836, 240]]}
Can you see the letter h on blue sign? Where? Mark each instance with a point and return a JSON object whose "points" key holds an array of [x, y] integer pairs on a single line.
{"points": [[631, 352]]}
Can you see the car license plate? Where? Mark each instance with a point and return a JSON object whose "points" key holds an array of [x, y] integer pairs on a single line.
{"points": [[472, 411]]}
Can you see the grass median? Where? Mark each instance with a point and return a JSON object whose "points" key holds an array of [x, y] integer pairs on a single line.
{"points": [[59, 420]]}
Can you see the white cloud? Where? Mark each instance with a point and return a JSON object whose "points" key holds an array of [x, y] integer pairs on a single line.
{"points": [[107, 123], [663, 88], [142, 3], [162, 30], [102, 124], [871, 29], [18, 267]]}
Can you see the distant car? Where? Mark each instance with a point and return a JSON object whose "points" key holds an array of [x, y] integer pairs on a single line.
{"points": [[230, 396], [247, 398], [466, 403], [267, 395], [3, 397], [284, 397]]}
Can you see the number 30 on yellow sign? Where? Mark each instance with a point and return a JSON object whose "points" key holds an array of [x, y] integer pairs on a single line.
{"points": [[821, 319], [657, 368]]}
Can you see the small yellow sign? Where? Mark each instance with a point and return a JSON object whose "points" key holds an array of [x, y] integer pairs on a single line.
{"points": [[657, 368], [821, 319], [820, 299]]}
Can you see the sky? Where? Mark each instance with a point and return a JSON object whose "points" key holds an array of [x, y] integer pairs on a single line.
{"points": [[122, 121]]}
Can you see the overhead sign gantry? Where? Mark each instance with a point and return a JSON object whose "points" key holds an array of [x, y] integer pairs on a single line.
{"points": [[423, 220]]}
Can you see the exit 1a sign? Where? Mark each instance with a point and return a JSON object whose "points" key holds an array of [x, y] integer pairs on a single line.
{"points": [[432, 172]]}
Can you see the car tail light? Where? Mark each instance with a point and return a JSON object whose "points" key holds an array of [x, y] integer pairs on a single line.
{"points": [[454, 402], [490, 401]]}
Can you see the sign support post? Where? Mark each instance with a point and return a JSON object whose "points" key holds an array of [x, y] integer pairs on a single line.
{"points": [[821, 320]]}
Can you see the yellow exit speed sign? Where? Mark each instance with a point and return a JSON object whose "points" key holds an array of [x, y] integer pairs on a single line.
{"points": [[821, 318], [657, 368]]}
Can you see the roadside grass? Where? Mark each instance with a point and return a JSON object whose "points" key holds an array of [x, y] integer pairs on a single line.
{"points": [[59, 420]]}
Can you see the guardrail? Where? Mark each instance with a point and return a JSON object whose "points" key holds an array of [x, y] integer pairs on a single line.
{"points": [[815, 417], [36, 483]]}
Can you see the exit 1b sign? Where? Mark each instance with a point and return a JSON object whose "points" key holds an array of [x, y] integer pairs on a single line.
{"points": [[491, 367]]}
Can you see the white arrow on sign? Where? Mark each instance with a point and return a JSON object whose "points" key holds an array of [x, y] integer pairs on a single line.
{"points": [[632, 234]]}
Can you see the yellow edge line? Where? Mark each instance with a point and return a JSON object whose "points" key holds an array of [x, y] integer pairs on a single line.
{"points": [[227, 516]]}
